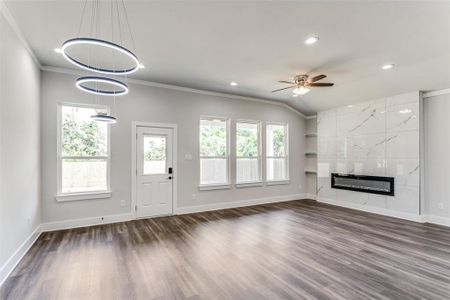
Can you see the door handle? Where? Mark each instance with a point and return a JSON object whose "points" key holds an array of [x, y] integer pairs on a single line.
{"points": [[170, 177]]}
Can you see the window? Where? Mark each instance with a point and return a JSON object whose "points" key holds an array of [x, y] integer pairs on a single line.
{"points": [[154, 154], [277, 152], [248, 160], [214, 151], [83, 151]]}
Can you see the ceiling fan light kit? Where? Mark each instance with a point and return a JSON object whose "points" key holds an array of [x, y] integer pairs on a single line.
{"points": [[302, 84], [300, 90], [89, 83]]}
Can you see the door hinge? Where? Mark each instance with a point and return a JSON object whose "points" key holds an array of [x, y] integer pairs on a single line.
{"points": [[136, 136], [135, 207]]}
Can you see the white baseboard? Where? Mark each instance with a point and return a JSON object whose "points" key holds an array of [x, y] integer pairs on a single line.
{"points": [[436, 220], [235, 204], [75, 223], [374, 210], [17, 256], [311, 196]]}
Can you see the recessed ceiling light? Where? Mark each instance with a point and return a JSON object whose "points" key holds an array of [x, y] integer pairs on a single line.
{"points": [[58, 50], [311, 40], [295, 95], [233, 83], [349, 106], [387, 67], [141, 66]]}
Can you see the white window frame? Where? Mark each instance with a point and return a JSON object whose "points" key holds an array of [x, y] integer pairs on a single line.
{"points": [[259, 181], [227, 185], [62, 197], [286, 157]]}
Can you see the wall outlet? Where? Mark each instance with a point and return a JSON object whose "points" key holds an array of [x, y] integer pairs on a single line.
{"points": [[441, 205], [194, 196], [122, 203]]}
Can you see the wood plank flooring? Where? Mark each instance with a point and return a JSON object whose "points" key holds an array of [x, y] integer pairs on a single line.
{"points": [[291, 250]]}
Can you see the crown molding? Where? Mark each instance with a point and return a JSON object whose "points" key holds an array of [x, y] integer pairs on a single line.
{"points": [[10, 20], [435, 93], [180, 88]]}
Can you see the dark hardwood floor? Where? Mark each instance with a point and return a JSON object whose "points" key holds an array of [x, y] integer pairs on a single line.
{"points": [[291, 250]]}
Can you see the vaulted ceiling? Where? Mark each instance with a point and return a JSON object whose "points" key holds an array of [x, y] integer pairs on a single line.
{"points": [[208, 44]]}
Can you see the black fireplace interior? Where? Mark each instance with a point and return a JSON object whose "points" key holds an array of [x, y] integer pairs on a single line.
{"points": [[362, 183]]}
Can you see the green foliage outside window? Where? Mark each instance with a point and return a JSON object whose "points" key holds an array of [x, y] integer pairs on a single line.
{"points": [[246, 142], [154, 148], [82, 138], [278, 142], [213, 140]]}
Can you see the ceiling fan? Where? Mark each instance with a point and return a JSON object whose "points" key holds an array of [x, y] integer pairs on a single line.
{"points": [[301, 84]]}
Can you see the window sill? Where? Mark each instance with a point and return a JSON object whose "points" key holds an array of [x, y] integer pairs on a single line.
{"points": [[278, 182], [83, 196], [249, 184], [214, 187]]}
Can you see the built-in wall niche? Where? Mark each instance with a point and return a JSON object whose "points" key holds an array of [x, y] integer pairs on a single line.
{"points": [[311, 156]]}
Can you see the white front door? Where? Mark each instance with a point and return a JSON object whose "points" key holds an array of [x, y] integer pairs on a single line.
{"points": [[154, 171]]}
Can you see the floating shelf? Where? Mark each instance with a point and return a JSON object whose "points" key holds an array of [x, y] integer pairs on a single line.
{"points": [[310, 153], [311, 134], [310, 172]]}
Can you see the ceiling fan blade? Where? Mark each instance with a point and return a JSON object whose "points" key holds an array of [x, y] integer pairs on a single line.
{"points": [[322, 84], [317, 78], [289, 87], [289, 82]]}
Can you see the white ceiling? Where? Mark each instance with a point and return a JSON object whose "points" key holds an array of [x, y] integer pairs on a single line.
{"points": [[206, 45]]}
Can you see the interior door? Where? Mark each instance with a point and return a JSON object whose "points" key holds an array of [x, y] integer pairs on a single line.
{"points": [[154, 188]]}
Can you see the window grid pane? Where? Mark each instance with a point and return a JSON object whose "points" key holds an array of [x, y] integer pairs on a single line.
{"points": [[84, 175], [80, 135], [276, 140], [154, 154], [247, 170], [213, 170], [213, 151], [276, 152], [84, 151], [247, 152]]}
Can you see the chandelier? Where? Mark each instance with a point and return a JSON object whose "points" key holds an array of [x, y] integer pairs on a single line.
{"points": [[96, 55]]}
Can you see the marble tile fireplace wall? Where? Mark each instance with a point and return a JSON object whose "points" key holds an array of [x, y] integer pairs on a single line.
{"points": [[379, 138]]}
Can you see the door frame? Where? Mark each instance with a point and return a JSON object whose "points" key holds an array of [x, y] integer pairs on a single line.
{"points": [[174, 127]]}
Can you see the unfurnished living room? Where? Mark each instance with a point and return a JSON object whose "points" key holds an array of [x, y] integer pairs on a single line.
{"points": [[224, 150]]}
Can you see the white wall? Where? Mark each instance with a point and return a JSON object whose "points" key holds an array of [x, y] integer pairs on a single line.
{"points": [[437, 158], [19, 144], [378, 138], [151, 104]]}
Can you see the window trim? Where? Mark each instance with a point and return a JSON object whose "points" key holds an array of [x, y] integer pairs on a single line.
{"points": [[63, 197], [259, 180], [215, 186], [286, 132]]}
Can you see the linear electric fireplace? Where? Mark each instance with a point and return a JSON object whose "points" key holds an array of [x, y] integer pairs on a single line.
{"points": [[362, 183]]}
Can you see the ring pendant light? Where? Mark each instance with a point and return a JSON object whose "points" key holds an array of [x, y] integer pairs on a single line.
{"points": [[123, 88], [102, 43], [104, 118]]}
